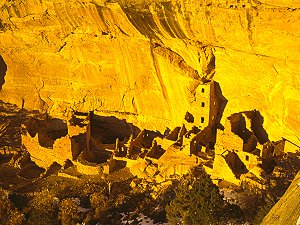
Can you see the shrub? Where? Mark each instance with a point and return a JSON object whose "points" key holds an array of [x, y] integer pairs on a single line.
{"points": [[99, 203], [43, 209], [119, 200], [68, 212], [198, 201], [8, 213]]}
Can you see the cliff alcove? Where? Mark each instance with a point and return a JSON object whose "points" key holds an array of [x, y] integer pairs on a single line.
{"points": [[124, 97], [139, 60]]}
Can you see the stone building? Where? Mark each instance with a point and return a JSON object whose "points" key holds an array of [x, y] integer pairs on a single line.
{"points": [[95, 143], [243, 152], [208, 105]]}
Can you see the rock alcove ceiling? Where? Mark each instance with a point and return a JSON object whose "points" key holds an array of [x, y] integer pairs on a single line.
{"points": [[141, 60]]}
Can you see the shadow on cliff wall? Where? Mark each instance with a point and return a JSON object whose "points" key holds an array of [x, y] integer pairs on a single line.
{"points": [[3, 69], [48, 130], [222, 102], [258, 129], [104, 131], [10, 123], [144, 22], [257, 126], [239, 127]]}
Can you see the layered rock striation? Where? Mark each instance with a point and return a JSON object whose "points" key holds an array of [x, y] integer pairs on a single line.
{"points": [[143, 61]]}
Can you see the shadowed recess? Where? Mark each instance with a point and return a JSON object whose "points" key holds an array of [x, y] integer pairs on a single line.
{"points": [[48, 130], [107, 130], [235, 164], [3, 69], [258, 129]]}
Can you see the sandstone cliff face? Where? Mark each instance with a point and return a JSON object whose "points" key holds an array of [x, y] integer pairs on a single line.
{"points": [[143, 60]]}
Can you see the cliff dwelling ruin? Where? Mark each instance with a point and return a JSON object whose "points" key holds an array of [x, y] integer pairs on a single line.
{"points": [[94, 140], [129, 98], [238, 152]]}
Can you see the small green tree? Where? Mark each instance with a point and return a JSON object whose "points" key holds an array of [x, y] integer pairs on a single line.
{"points": [[198, 201]]}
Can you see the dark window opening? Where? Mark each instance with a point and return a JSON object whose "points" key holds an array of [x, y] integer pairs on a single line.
{"points": [[202, 119], [247, 157], [202, 90], [202, 104], [189, 117]]}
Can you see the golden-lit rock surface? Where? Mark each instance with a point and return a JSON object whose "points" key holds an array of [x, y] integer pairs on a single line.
{"points": [[143, 62]]}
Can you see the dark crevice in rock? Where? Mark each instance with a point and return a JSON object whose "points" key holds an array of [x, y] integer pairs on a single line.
{"points": [[62, 46], [3, 69], [2, 26]]}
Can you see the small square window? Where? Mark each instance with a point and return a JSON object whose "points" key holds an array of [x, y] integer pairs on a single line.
{"points": [[202, 104], [202, 119]]}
